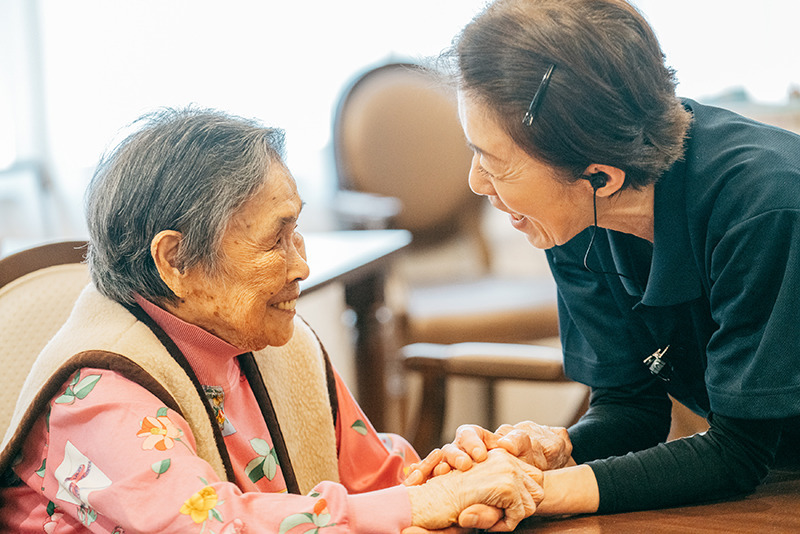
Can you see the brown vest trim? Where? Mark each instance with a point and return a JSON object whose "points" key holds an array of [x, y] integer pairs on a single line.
{"points": [[95, 359], [250, 370]]}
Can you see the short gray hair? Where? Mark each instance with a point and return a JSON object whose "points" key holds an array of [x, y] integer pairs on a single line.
{"points": [[186, 170]]}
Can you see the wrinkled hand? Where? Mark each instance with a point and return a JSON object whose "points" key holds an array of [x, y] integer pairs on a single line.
{"points": [[541, 446], [501, 481], [534, 443], [477, 516]]}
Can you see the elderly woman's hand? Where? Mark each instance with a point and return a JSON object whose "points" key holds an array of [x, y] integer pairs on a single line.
{"points": [[546, 447], [501, 481], [541, 446]]}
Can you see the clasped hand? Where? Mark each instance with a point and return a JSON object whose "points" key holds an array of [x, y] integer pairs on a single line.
{"points": [[508, 487], [539, 446]]}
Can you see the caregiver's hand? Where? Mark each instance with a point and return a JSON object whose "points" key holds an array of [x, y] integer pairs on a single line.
{"points": [[501, 481], [546, 447], [541, 446]]}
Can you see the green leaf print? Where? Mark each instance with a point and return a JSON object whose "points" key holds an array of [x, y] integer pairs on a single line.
{"points": [[78, 388], [271, 465], [261, 446], [85, 386], [360, 427], [159, 468], [255, 469], [86, 515], [216, 515], [295, 520], [162, 412], [66, 398], [263, 465], [318, 519], [321, 520], [41, 470]]}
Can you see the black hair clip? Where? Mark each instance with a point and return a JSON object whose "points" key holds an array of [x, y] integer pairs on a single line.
{"points": [[533, 109]]}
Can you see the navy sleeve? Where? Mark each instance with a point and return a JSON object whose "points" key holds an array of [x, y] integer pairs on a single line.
{"points": [[620, 420]]}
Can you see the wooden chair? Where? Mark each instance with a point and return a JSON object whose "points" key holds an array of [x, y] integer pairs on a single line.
{"points": [[437, 363], [491, 362], [397, 138], [38, 288]]}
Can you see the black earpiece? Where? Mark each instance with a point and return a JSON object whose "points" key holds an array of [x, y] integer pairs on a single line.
{"points": [[597, 179]]}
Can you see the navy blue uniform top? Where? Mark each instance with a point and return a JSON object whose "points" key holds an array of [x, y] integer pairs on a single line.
{"points": [[719, 285]]}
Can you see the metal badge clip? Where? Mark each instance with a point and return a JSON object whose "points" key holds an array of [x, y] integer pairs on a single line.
{"points": [[658, 366]]}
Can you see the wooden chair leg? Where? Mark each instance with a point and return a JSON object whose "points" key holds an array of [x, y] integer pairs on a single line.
{"points": [[427, 428], [490, 387]]}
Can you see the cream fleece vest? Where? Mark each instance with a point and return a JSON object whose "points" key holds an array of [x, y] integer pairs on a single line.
{"points": [[102, 333]]}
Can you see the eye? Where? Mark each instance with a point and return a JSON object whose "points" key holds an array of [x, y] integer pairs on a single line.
{"points": [[484, 172], [286, 236], [275, 243]]}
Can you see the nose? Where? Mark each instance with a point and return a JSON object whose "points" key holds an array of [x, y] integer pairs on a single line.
{"points": [[478, 181], [298, 266]]}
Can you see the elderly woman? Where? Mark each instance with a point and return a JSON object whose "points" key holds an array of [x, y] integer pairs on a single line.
{"points": [[672, 231], [183, 394]]}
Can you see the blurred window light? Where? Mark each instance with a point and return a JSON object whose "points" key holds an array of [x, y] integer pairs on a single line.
{"points": [[8, 138], [106, 62]]}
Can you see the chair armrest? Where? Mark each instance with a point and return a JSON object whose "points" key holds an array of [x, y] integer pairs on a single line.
{"points": [[494, 361]]}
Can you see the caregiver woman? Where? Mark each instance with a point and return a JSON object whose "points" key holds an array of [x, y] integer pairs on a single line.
{"points": [[673, 232]]}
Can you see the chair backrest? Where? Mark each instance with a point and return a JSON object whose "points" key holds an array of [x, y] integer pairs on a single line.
{"points": [[396, 133], [38, 288]]}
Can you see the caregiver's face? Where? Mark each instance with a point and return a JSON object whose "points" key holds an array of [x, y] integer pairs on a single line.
{"points": [[540, 203], [252, 303]]}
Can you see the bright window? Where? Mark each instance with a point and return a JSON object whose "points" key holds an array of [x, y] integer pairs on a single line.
{"points": [[105, 62]]}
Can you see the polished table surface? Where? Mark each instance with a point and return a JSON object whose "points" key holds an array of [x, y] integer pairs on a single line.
{"points": [[345, 256], [773, 508]]}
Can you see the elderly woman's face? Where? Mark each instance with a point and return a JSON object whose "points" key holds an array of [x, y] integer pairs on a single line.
{"points": [[545, 207], [252, 303]]}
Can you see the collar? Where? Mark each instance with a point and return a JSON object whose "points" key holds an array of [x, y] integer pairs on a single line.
{"points": [[673, 274], [211, 357]]}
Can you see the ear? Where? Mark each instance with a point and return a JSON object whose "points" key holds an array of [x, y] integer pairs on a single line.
{"points": [[164, 250], [614, 178]]}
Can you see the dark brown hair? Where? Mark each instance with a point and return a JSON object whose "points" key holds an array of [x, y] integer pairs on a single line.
{"points": [[611, 98]]}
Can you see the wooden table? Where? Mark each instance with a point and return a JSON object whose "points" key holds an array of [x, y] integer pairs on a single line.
{"points": [[773, 508], [359, 260]]}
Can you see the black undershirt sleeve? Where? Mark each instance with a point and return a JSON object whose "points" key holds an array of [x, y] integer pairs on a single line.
{"points": [[731, 458], [620, 420]]}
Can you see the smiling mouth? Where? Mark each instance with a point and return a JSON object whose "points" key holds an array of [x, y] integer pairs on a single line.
{"points": [[286, 305]]}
